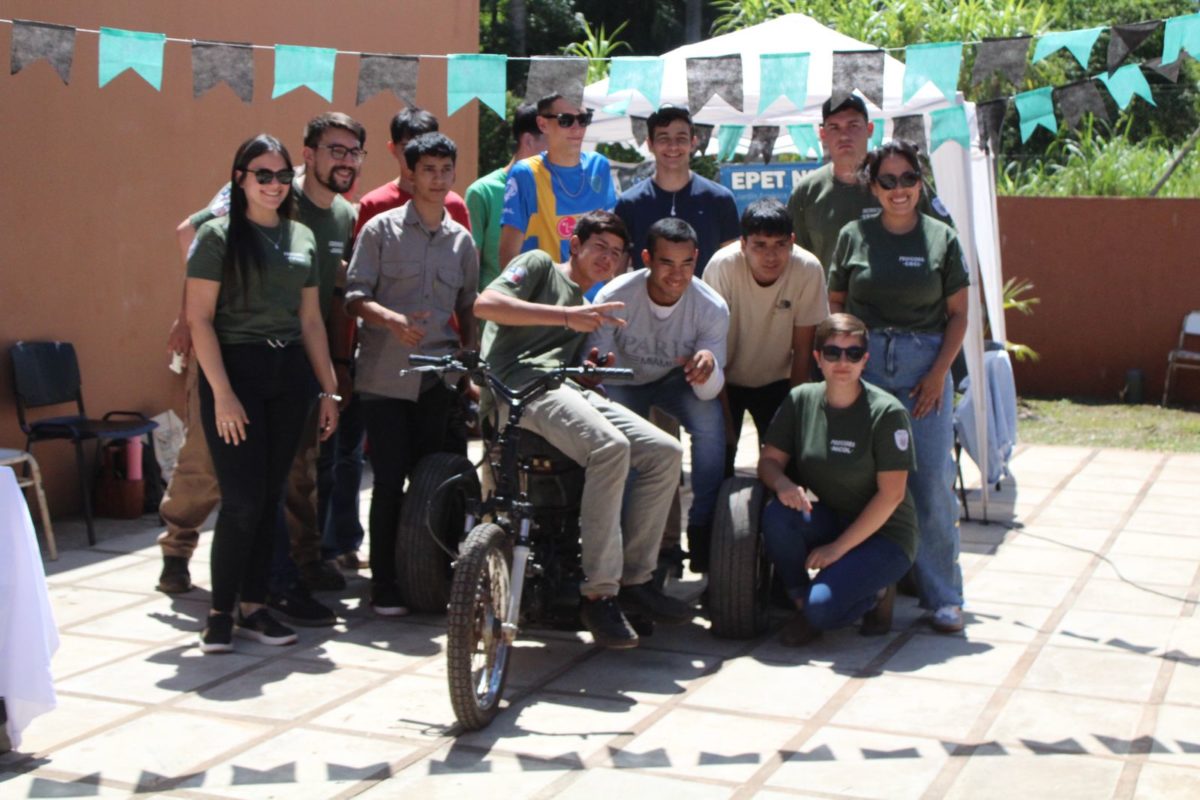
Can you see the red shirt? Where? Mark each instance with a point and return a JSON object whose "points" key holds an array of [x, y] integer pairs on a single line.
{"points": [[390, 195]]}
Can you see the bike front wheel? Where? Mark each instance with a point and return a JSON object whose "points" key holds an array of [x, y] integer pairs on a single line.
{"points": [[477, 650]]}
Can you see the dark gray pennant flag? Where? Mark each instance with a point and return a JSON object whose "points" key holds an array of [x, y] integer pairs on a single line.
{"points": [[912, 129], [640, 129], [1009, 57], [702, 133], [990, 116], [231, 62], [1076, 99], [762, 143], [565, 76], [381, 72], [720, 76], [34, 40], [1124, 39], [1168, 71], [858, 69]]}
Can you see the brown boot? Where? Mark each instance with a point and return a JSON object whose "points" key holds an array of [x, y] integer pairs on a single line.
{"points": [[797, 631], [878, 621]]}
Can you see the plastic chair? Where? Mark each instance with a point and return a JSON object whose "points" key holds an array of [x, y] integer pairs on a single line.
{"points": [[32, 477], [1181, 357], [47, 374]]}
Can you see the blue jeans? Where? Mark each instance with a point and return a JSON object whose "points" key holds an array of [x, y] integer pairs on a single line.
{"points": [[846, 589], [702, 419], [899, 360]]}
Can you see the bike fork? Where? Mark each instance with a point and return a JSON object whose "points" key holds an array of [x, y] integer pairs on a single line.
{"points": [[520, 558]]}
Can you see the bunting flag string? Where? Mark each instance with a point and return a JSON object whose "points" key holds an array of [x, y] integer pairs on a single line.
{"points": [[728, 137], [783, 77]]}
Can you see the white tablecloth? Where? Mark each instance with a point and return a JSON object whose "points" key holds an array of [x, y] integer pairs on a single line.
{"points": [[28, 637]]}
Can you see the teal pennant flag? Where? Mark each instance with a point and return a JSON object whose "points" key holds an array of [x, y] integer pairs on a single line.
{"points": [[1079, 43], [877, 134], [471, 75], [1036, 108], [304, 66], [936, 63], [141, 52], [1125, 83], [728, 137], [643, 74], [949, 125], [1181, 33], [783, 75], [807, 142]]}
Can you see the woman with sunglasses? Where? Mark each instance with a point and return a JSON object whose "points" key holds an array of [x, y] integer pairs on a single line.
{"points": [[257, 332], [849, 443], [902, 273]]}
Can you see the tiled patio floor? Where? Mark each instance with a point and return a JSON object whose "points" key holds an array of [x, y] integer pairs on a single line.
{"points": [[1077, 677]]}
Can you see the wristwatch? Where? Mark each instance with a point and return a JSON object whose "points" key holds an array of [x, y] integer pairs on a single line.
{"points": [[337, 398]]}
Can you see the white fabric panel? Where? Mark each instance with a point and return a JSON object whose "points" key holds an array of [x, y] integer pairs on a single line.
{"points": [[986, 224]]}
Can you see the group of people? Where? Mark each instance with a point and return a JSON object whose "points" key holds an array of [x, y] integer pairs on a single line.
{"points": [[302, 315]]}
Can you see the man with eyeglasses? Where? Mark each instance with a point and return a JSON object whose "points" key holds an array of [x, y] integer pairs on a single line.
{"points": [[333, 155], [777, 296], [830, 196], [548, 193], [674, 191], [537, 318]]}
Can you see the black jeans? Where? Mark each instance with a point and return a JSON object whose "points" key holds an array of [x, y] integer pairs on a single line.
{"points": [[762, 402], [401, 433], [277, 389]]}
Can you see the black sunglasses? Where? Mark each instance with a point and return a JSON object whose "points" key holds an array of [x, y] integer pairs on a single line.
{"points": [[583, 119], [904, 179], [265, 176], [854, 353]]}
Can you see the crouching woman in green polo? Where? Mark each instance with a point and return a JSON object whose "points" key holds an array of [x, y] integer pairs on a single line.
{"points": [[850, 444]]}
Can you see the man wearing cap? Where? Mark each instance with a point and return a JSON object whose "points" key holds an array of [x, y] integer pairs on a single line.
{"points": [[675, 191], [828, 197], [548, 193]]}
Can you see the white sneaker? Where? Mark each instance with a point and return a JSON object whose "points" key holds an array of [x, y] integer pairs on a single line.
{"points": [[947, 619]]}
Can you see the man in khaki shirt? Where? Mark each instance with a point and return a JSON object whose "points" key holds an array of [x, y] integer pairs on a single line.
{"points": [[776, 295]]}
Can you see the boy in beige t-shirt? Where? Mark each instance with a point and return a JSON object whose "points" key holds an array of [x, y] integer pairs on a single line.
{"points": [[776, 295]]}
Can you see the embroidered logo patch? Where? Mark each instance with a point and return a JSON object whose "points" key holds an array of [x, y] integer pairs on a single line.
{"points": [[297, 259], [939, 206], [515, 275], [871, 213], [901, 440]]}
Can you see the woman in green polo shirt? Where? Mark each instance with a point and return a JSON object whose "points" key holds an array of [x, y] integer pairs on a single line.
{"points": [[849, 443], [902, 273], [255, 319]]}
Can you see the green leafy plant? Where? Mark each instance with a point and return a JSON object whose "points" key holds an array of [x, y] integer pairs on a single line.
{"points": [[597, 46], [1015, 293]]}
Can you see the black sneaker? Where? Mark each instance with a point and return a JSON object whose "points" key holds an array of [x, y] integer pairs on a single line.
{"points": [[699, 539], [647, 599], [299, 607], [322, 576], [262, 627], [607, 624], [385, 601], [217, 636], [174, 578]]}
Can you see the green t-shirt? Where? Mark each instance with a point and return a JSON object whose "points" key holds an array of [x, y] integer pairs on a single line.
{"points": [[270, 306], [837, 452], [821, 206], [520, 353], [485, 204], [332, 229], [898, 280]]}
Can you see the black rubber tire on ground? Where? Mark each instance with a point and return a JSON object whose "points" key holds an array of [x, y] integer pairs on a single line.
{"points": [[476, 651], [423, 567], [739, 578]]}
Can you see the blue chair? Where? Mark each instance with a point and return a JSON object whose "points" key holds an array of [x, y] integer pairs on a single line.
{"points": [[47, 374]]}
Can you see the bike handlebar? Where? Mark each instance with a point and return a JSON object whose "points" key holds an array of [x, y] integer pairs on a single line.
{"points": [[469, 361]]}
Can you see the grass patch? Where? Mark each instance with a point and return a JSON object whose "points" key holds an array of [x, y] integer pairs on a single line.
{"points": [[1096, 423]]}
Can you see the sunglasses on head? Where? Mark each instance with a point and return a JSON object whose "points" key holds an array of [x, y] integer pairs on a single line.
{"points": [[583, 119], [265, 176], [906, 180], [854, 353]]}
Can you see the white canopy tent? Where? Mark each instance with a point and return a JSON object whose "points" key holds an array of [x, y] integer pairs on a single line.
{"points": [[964, 178]]}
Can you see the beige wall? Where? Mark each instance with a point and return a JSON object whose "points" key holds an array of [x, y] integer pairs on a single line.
{"points": [[96, 179], [1116, 277]]}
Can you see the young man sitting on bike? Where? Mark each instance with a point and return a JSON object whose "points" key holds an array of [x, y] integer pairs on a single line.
{"points": [[537, 319]]}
